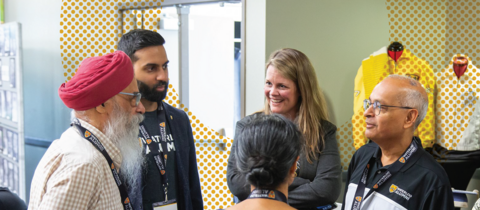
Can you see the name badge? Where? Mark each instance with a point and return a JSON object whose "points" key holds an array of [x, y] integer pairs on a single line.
{"points": [[166, 205]]}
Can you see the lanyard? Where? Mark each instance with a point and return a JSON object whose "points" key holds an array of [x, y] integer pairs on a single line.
{"points": [[392, 170], [160, 159], [268, 194], [97, 144]]}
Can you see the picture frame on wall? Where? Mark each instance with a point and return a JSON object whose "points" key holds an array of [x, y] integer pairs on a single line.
{"points": [[15, 107], [2, 171], [5, 172], [9, 104], [3, 111], [12, 73], [6, 44], [13, 40], [2, 41], [12, 157]]}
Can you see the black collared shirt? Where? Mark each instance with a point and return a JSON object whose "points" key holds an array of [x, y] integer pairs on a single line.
{"points": [[420, 184], [11, 201]]}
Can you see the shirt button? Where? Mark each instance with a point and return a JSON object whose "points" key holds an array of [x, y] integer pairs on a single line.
{"points": [[379, 172]]}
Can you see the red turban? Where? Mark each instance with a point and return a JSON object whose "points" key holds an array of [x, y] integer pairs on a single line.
{"points": [[97, 80]]}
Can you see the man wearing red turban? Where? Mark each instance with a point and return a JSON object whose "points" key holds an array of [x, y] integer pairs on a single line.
{"points": [[92, 161]]}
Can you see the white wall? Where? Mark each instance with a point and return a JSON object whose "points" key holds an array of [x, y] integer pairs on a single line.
{"points": [[211, 67], [255, 54], [43, 72], [335, 35], [211, 71], [45, 115]]}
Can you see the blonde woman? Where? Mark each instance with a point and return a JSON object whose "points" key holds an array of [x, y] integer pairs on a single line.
{"points": [[291, 89]]}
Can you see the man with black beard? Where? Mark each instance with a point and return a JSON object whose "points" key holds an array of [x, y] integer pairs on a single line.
{"points": [[170, 176], [81, 170]]}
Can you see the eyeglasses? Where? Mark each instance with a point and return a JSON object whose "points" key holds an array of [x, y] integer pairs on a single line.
{"points": [[136, 95], [377, 107]]}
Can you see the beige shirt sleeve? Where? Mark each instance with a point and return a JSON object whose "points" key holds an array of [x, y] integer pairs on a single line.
{"points": [[71, 187]]}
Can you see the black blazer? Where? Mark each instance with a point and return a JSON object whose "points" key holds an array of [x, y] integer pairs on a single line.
{"points": [[189, 193]]}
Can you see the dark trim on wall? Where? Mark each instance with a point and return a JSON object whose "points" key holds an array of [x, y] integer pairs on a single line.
{"points": [[37, 142]]}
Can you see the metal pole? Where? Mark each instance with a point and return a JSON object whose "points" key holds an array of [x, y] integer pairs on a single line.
{"points": [[183, 74]]}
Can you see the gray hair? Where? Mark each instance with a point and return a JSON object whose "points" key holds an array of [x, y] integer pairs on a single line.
{"points": [[413, 98], [78, 114]]}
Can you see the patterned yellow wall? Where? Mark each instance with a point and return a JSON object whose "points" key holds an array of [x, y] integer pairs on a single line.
{"points": [[433, 30], [212, 162], [462, 30], [92, 28], [345, 143], [421, 27], [438, 30]]}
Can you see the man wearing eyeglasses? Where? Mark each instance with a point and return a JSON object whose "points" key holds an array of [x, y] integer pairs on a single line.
{"points": [[170, 177], [89, 166], [393, 171]]}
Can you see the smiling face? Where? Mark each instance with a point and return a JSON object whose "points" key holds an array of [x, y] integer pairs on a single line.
{"points": [[281, 93]]}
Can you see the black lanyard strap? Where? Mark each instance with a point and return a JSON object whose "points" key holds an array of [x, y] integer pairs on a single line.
{"points": [[98, 145], [160, 159], [268, 194], [392, 170]]}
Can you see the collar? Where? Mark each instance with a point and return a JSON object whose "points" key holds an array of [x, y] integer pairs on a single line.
{"points": [[110, 147], [378, 154]]}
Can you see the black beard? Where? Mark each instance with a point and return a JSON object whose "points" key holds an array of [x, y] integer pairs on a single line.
{"points": [[151, 94]]}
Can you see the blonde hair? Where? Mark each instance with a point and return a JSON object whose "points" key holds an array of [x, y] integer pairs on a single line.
{"points": [[294, 65]]}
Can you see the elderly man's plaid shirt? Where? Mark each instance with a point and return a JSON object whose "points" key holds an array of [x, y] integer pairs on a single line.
{"points": [[73, 174]]}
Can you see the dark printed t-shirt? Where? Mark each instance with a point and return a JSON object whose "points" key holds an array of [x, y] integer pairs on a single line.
{"points": [[152, 190]]}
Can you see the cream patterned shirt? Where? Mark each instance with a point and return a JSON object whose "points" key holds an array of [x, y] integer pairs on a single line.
{"points": [[73, 174], [476, 206], [457, 116]]}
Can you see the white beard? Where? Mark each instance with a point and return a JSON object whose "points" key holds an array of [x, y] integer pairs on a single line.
{"points": [[123, 132]]}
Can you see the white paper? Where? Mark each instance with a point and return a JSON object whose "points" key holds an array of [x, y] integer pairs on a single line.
{"points": [[14, 107], [9, 104], [172, 206], [5, 73], [3, 105]]}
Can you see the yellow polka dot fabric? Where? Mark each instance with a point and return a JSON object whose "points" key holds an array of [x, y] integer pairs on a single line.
{"points": [[456, 102], [436, 31], [345, 144], [93, 28], [433, 30], [407, 65]]}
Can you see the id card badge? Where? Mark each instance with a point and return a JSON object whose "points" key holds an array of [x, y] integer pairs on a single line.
{"points": [[165, 205]]}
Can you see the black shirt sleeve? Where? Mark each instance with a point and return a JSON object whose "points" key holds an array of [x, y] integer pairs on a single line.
{"points": [[9, 200], [440, 198], [325, 187]]}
